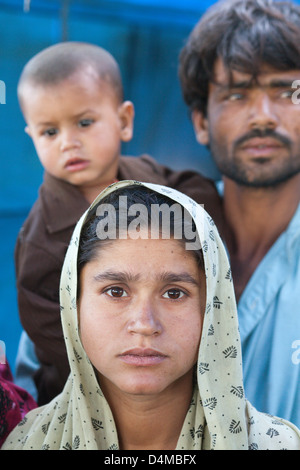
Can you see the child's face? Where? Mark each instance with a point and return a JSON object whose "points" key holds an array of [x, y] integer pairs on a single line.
{"points": [[77, 127], [140, 315]]}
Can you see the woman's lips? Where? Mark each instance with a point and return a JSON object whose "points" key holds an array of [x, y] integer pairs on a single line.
{"points": [[76, 164], [142, 357]]}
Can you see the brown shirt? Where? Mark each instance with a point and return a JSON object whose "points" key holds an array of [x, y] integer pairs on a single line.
{"points": [[41, 248]]}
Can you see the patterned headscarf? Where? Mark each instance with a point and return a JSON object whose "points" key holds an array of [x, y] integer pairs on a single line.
{"points": [[219, 416]]}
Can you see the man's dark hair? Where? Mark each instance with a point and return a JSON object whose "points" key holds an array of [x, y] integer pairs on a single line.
{"points": [[244, 34]]}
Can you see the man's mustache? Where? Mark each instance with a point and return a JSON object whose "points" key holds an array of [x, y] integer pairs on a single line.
{"points": [[263, 133]]}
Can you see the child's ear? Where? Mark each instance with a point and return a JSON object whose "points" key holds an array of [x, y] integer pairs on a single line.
{"points": [[200, 124], [126, 114], [27, 130]]}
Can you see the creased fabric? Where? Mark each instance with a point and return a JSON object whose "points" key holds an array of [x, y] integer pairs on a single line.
{"points": [[270, 328], [219, 416]]}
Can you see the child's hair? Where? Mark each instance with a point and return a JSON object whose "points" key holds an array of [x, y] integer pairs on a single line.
{"points": [[60, 61], [179, 221]]}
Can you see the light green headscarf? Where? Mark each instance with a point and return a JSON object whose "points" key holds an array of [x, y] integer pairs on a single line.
{"points": [[219, 416]]}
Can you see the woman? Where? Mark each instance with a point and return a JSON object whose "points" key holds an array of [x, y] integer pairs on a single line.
{"points": [[151, 331]]}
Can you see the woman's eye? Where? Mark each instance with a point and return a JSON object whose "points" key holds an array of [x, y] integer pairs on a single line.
{"points": [[116, 292], [173, 294]]}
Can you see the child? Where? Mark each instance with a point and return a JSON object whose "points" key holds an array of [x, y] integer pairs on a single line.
{"points": [[72, 99], [151, 330]]}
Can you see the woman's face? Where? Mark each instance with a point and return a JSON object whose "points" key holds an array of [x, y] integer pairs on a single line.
{"points": [[141, 309]]}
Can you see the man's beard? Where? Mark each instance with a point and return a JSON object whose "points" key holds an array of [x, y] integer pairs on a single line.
{"points": [[237, 170]]}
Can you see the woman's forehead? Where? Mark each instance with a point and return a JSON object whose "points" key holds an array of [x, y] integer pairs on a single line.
{"points": [[140, 255], [144, 246]]}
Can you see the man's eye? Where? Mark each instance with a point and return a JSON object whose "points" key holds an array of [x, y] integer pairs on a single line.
{"points": [[173, 294], [85, 122], [286, 94], [235, 96], [116, 292]]}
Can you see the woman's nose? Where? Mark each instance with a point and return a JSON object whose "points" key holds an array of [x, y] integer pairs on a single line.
{"points": [[144, 319]]}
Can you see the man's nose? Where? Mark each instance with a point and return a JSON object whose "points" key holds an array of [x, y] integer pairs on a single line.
{"points": [[144, 319], [263, 112]]}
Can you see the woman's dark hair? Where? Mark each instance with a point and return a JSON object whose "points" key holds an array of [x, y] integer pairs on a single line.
{"points": [[90, 240], [244, 34]]}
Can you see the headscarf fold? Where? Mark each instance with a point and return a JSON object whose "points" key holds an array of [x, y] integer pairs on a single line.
{"points": [[219, 416]]}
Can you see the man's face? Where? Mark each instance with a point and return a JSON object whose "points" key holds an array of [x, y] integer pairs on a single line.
{"points": [[252, 126]]}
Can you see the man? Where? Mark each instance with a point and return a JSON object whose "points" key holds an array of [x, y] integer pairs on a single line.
{"points": [[237, 72]]}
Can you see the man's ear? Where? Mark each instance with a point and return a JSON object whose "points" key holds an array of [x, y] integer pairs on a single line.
{"points": [[200, 124], [126, 114]]}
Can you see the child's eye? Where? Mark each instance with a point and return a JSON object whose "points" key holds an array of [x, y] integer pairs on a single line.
{"points": [[173, 294], [117, 292], [50, 132], [85, 122]]}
